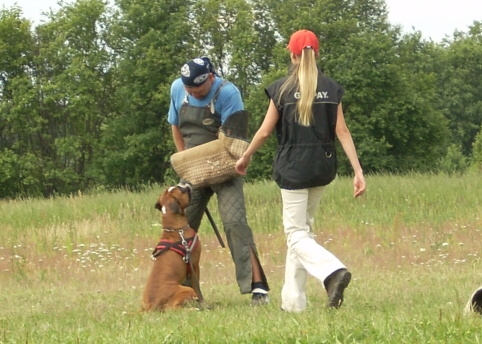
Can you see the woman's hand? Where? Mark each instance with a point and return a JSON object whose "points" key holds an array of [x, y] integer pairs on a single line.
{"points": [[242, 165], [359, 185]]}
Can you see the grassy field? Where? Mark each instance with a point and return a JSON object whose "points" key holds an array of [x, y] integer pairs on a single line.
{"points": [[72, 269]]}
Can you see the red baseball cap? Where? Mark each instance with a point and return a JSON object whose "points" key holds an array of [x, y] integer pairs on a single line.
{"points": [[303, 39]]}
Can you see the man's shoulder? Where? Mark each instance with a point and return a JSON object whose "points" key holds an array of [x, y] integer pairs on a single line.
{"points": [[177, 91], [227, 86], [177, 84]]}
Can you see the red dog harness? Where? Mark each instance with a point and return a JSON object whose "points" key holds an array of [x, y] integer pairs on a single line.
{"points": [[183, 247]]}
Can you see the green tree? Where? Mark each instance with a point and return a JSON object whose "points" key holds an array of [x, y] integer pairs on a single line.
{"points": [[84, 97], [454, 161], [236, 36], [19, 120], [56, 102], [152, 40], [459, 87], [476, 162], [74, 71]]}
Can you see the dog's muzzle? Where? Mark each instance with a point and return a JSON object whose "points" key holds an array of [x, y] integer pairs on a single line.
{"points": [[185, 187]]}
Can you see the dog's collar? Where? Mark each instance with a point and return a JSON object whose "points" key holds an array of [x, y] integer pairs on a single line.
{"points": [[176, 229]]}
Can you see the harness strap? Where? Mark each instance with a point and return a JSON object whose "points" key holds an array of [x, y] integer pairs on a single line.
{"points": [[182, 247]]}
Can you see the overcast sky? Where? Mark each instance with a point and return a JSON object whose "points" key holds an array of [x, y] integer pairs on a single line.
{"points": [[434, 18]]}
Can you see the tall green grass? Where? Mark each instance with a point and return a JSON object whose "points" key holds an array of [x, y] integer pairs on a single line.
{"points": [[72, 269]]}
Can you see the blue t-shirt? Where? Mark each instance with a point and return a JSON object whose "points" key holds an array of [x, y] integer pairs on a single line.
{"points": [[228, 101]]}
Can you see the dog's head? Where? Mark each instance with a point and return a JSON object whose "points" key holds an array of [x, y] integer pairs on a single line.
{"points": [[174, 199], [477, 301]]}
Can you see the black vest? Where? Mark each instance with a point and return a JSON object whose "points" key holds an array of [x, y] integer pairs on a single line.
{"points": [[306, 156]]}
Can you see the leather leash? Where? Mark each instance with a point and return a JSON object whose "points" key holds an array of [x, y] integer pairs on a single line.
{"points": [[215, 228]]}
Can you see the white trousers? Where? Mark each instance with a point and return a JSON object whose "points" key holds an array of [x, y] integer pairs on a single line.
{"points": [[304, 254]]}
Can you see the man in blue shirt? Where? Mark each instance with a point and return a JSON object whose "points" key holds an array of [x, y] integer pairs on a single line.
{"points": [[201, 102]]}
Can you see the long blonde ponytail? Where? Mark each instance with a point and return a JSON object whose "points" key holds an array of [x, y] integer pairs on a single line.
{"points": [[307, 80], [303, 79]]}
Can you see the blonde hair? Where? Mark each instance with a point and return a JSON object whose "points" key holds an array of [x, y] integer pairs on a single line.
{"points": [[303, 78]]}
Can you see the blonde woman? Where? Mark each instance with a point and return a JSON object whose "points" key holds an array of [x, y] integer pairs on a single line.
{"points": [[305, 108]]}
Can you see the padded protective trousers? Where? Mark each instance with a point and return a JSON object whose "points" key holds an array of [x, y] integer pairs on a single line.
{"points": [[304, 254], [240, 239]]}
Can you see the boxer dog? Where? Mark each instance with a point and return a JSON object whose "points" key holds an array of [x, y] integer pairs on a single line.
{"points": [[176, 257]]}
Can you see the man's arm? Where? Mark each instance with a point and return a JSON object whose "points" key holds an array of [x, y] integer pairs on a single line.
{"points": [[229, 101], [177, 138]]}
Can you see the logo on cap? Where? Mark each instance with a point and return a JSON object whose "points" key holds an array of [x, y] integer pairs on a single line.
{"points": [[185, 71]]}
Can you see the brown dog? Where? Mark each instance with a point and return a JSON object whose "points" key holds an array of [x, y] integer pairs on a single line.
{"points": [[176, 256]]}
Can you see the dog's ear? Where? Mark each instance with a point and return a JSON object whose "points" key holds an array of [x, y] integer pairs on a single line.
{"points": [[158, 206], [160, 201]]}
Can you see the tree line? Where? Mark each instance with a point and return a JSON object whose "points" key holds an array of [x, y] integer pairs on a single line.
{"points": [[84, 94]]}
